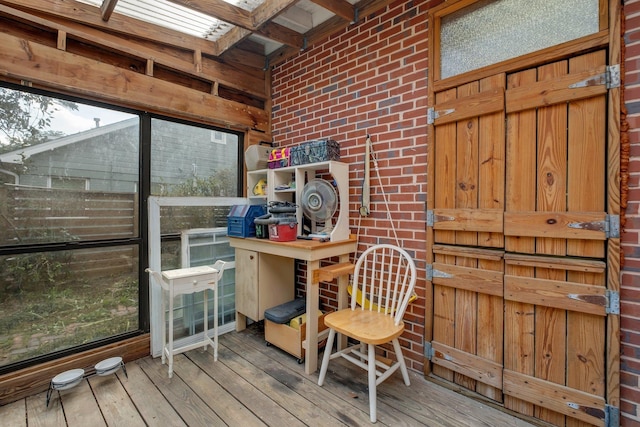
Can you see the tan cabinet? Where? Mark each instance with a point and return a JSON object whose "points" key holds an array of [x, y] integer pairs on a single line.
{"points": [[262, 281]]}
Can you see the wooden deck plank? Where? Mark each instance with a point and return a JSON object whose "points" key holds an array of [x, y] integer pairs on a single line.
{"points": [[288, 389], [245, 391], [38, 414], [146, 397], [15, 414], [250, 385], [193, 410], [80, 406], [115, 404], [225, 405], [348, 385]]}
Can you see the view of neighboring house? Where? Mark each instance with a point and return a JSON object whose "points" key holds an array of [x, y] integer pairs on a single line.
{"points": [[106, 158]]}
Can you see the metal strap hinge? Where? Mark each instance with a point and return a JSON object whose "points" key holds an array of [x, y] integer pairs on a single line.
{"points": [[428, 350], [610, 226], [432, 114], [613, 302], [613, 76], [610, 78], [430, 218], [611, 416], [432, 273], [613, 226]]}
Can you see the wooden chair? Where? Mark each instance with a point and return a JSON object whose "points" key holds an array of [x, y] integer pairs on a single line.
{"points": [[383, 282]]}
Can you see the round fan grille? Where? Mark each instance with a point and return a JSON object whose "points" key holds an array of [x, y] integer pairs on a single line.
{"points": [[319, 200]]}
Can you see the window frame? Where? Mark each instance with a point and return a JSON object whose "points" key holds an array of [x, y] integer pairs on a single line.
{"points": [[141, 241]]}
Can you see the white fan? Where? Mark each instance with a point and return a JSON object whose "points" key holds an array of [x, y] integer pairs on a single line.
{"points": [[319, 202]]}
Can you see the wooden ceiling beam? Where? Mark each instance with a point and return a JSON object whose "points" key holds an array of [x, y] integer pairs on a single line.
{"points": [[90, 15], [211, 70], [257, 22], [342, 8], [326, 29], [107, 9], [231, 38], [282, 35], [221, 10], [270, 9]]}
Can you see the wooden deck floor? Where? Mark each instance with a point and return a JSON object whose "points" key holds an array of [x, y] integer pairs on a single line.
{"points": [[250, 385]]}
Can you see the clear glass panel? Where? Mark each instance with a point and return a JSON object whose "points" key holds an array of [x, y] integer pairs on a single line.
{"points": [[68, 171], [491, 31], [174, 219], [51, 301], [192, 161], [205, 247]]}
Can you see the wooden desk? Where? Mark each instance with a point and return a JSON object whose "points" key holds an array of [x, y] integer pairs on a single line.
{"points": [[312, 252]]}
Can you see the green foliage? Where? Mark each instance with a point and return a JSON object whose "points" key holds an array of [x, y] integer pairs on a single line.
{"points": [[30, 272], [220, 184], [25, 118]]}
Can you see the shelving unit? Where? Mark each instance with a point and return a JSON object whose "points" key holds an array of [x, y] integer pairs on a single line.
{"points": [[286, 184], [253, 178]]}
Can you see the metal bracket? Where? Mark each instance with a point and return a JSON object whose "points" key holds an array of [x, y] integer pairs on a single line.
{"points": [[613, 302], [611, 416], [613, 226], [610, 226], [610, 78], [430, 218], [431, 273], [428, 350], [432, 114], [613, 76]]}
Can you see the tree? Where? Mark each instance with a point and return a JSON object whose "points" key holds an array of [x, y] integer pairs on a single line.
{"points": [[25, 118]]}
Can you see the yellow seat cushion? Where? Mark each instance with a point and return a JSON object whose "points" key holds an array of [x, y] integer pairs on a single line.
{"points": [[367, 303]]}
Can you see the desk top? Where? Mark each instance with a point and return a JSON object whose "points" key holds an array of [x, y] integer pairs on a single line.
{"points": [[306, 250], [181, 273]]}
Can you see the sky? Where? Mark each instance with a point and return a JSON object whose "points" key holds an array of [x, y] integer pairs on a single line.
{"points": [[70, 122]]}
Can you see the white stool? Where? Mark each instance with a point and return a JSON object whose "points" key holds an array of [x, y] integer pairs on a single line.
{"points": [[188, 281]]}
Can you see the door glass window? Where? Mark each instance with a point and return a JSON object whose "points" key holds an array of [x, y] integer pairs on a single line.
{"points": [[490, 31]]}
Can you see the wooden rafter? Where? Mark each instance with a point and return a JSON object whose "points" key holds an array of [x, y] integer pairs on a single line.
{"points": [[211, 71], [107, 9], [229, 47], [221, 10], [269, 10], [257, 21], [90, 15], [341, 8]]}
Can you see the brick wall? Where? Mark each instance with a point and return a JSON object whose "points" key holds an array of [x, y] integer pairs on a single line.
{"points": [[630, 287], [371, 78]]}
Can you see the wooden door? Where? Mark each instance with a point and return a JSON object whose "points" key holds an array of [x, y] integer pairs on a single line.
{"points": [[519, 240]]}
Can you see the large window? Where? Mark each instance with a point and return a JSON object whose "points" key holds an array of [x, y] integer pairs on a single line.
{"points": [[73, 181], [68, 175]]}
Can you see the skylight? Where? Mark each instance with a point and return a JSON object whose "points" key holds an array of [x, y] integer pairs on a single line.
{"points": [[175, 17]]}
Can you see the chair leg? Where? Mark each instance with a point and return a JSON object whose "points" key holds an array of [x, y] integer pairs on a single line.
{"points": [[327, 355], [400, 357], [371, 362]]}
